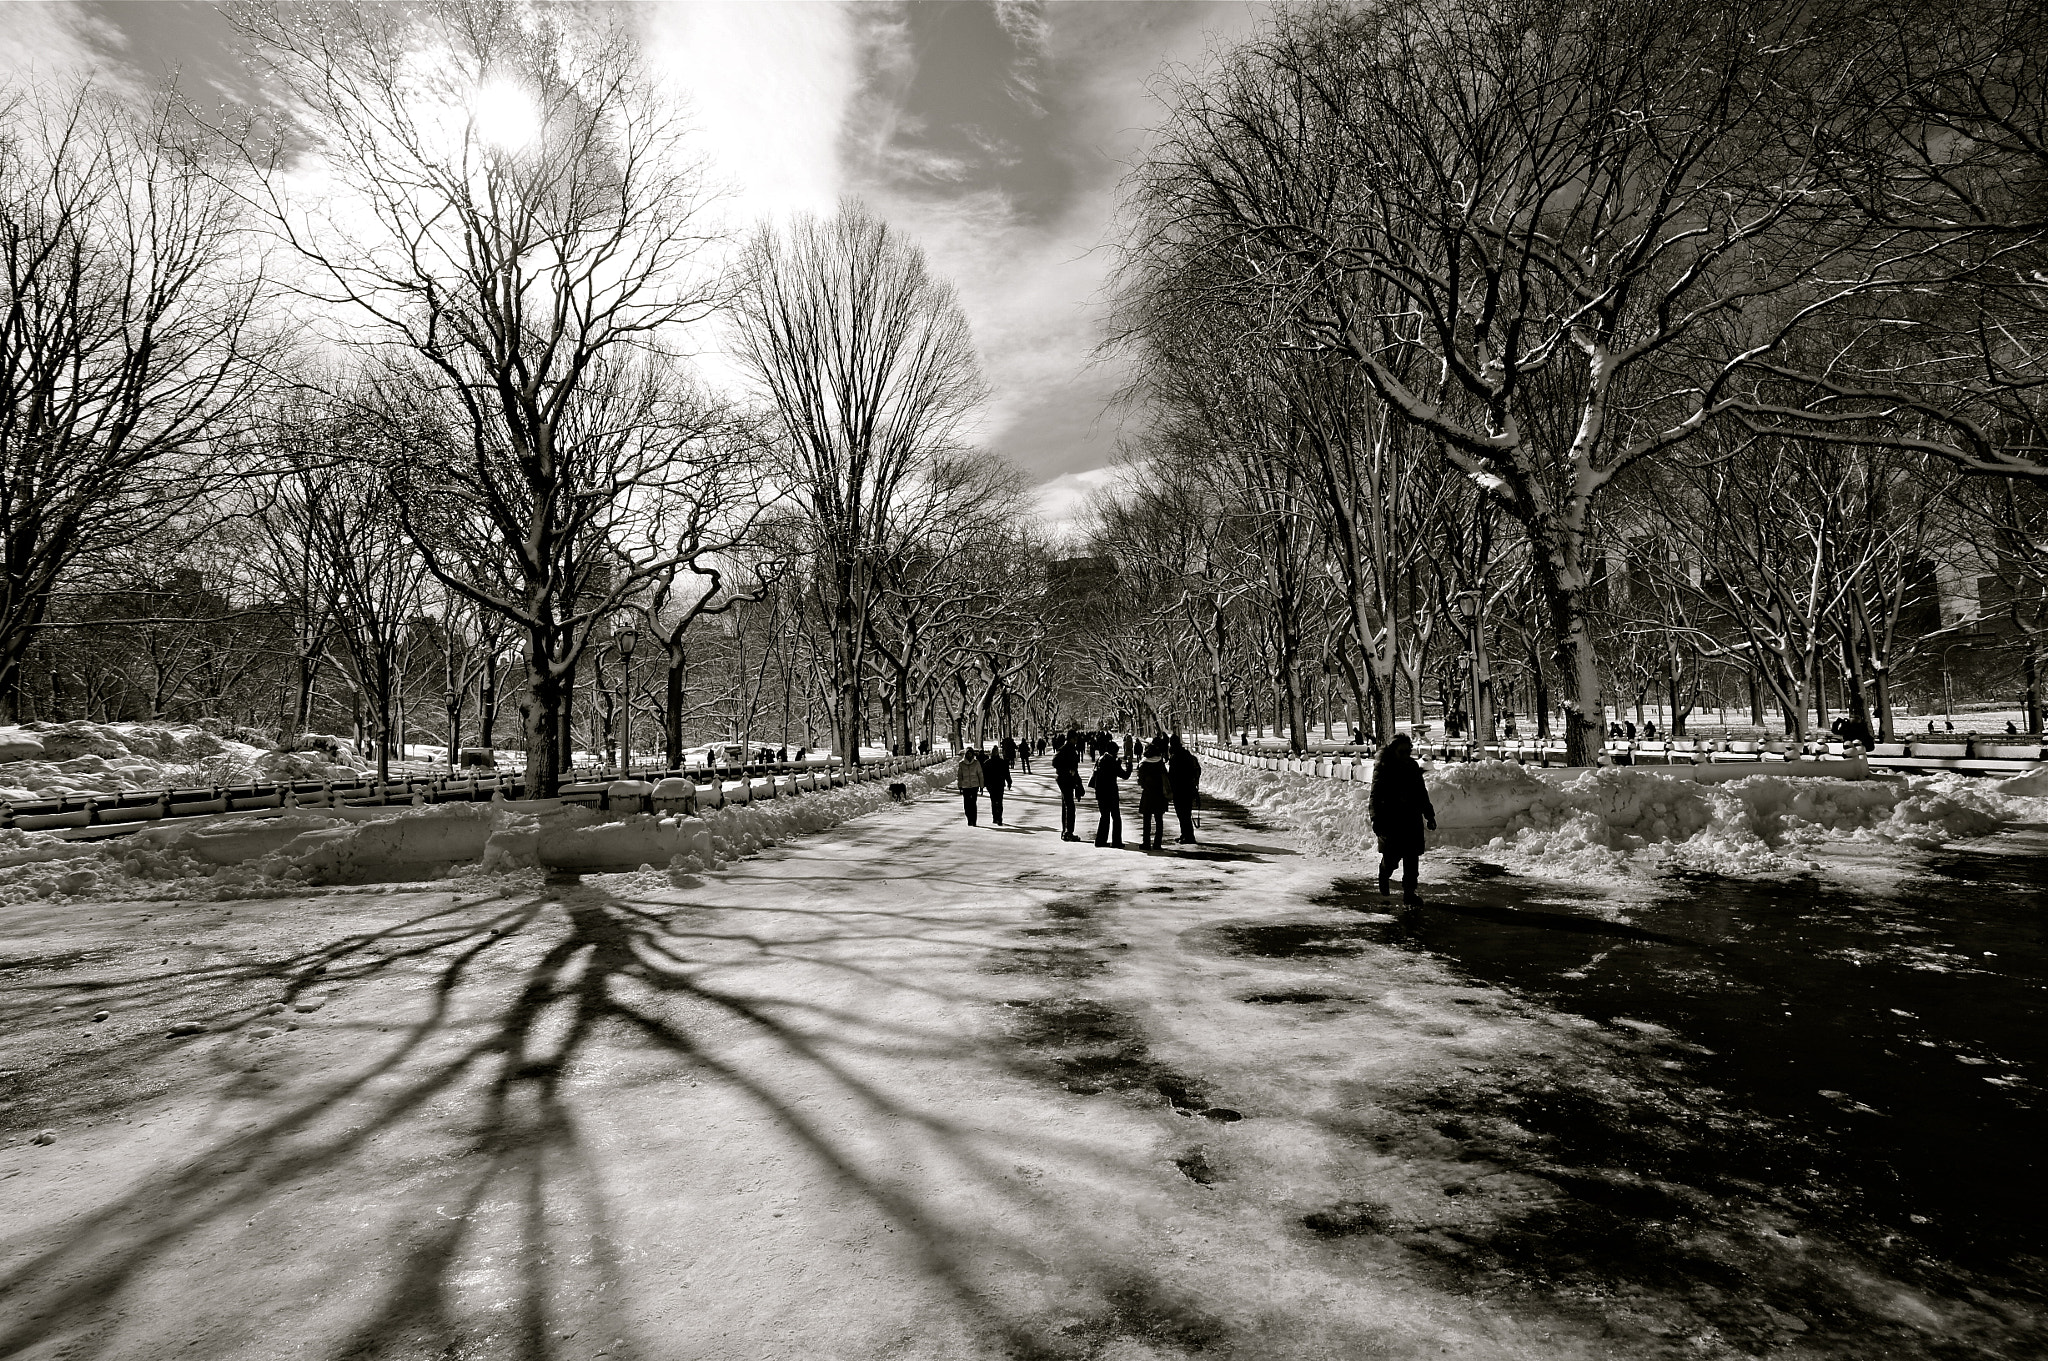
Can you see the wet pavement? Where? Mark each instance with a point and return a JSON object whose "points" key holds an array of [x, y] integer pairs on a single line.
{"points": [[1894, 1038]]}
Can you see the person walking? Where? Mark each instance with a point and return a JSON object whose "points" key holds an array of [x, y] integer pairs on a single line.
{"points": [[1152, 795], [969, 775], [995, 778], [1400, 806], [1109, 813], [1066, 769], [1183, 779], [1024, 756]]}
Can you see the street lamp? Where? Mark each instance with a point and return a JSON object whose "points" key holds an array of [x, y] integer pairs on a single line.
{"points": [[626, 638], [1475, 630]]}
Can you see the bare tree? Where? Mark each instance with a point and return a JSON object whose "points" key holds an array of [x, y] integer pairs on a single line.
{"points": [[514, 211], [128, 344], [866, 357], [1941, 139], [1486, 208]]}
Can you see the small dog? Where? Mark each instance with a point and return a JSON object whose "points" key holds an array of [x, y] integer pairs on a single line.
{"points": [[900, 792]]}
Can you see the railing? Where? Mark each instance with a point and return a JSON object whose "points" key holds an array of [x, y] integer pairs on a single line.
{"points": [[1973, 756], [116, 813]]}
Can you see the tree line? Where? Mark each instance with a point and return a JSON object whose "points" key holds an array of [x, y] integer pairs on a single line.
{"points": [[375, 405], [1610, 347]]}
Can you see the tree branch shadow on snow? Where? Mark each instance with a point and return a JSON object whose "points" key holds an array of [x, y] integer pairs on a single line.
{"points": [[609, 972]]}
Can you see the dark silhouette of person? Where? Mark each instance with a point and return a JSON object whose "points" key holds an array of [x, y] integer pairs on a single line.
{"points": [[1183, 779], [2011, 728], [1023, 757], [1109, 819], [995, 778], [1066, 769], [1400, 807], [1009, 749], [970, 784], [1152, 801]]}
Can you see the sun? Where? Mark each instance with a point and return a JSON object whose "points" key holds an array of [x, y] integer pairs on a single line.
{"points": [[505, 115]]}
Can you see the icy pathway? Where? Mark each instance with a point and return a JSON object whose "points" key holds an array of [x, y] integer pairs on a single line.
{"points": [[903, 1089]]}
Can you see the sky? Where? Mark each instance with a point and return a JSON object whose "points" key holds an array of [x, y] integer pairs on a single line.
{"points": [[995, 134]]}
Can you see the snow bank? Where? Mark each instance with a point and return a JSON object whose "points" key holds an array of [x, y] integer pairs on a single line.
{"points": [[576, 839], [240, 856], [1621, 821], [44, 760]]}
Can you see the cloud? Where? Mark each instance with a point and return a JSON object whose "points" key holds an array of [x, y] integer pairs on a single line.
{"points": [[61, 42], [768, 85], [1026, 236], [1064, 501]]}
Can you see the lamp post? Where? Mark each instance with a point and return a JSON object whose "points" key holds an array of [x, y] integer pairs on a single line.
{"points": [[1475, 630], [626, 638]]}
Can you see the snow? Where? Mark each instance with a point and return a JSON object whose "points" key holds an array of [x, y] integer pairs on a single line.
{"points": [[1624, 822], [45, 760], [245, 854]]}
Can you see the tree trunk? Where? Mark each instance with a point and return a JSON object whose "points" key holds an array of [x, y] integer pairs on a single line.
{"points": [[2033, 672], [1577, 659], [564, 727], [545, 720]]}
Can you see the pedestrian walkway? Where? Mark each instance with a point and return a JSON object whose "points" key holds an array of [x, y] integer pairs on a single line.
{"points": [[902, 1089]]}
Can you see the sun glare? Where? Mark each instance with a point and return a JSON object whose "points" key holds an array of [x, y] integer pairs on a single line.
{"points": [[506, 115]]}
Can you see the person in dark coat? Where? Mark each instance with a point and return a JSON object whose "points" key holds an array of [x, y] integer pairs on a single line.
{"points": [[1400, 806], [1023, 758], [995, 778], [1152, 795], [1066, 768], [1109, 820], [970, 784], [1183, 779]]}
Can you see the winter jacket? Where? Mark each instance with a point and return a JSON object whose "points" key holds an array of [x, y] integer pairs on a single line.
{"points": [[1183, 774], [1108, 771], [995, 772], [1399, 804], [970, 773], [1152, 785], [1067, 765]]}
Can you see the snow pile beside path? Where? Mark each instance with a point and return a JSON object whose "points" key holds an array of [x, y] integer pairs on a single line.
{"points": [[1620, 821], [257, 856], [45, 760], [576, 839]]}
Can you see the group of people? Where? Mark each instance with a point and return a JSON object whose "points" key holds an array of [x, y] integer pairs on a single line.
{"points": [[1167, 773]]}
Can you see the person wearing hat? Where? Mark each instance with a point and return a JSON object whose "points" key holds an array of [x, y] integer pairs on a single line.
{"points": [[1109, 820]]}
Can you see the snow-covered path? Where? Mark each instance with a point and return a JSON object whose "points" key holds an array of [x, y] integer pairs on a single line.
{"points": [[902, 1089]]}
